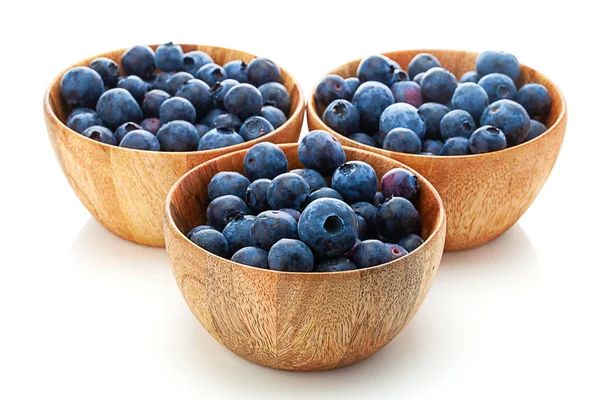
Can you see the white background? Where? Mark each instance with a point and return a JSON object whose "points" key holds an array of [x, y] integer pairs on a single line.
{"points": [[85, 315]]}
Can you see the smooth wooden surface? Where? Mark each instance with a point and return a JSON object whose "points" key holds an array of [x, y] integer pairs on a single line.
{"points": [[298, 321], [125, 189], [484, 195]]}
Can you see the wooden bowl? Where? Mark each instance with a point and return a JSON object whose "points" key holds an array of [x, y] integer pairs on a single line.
{"points": [[298, 321], [484, 194], [125, 189]]}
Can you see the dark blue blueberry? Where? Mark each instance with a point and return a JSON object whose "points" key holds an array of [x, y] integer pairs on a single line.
{"points": [[223, 209], [211, 74], [342, 117], [321, 151], [255, 127], [211, 116], [161, 79], [402, 140], [256, 195], [438, 85], [403, 115], [510, 117], [218, 138], [193, 60], [456, 146], [470, 76], [294, 213], [212, 241], [264, 160], [535, 99], [152, 102], [486, 139], [168, 57], [396, 217], [276, 95], [151, 125], [237, 232], [353, 84], [371, 99], [536, 128], [124, 129], [107, 69], [178, 136], [329, 227], [197, 229], [371, 253], [262, 70], [252, 256], [291, 255], [407, 92], [177, 80], [379, 138], [432, 147], [422, 62], [274, 115], [498, 87], [330, 88], [244, 100], [410, 242], [134, 85], [400, 182], [490, 62], [336, 265], [199, 94], [457, 123], [377, 68], [368, 211], [81, 87], [378, 199], [177, 108], [138, 60], [432, 114], [271, 226], [117, 106], [399, 74], [220, 89], [100, 134], [140, 140], [80, 122], [202, 129], [418, 78], [288, 191], [362, 228], [237, 69], [314, 179], [324, 193], [470, 97], [355, 181], [363, 138], [228, 120], [396, 250], [224, 183], [81, 110]]}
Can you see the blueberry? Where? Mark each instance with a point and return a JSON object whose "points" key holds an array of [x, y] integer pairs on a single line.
{"points": [[321, 151], [276, 95], [124, 129], [197, 229], [396, 250], [402, 115], [202, 129], [80, 122], [264, 160], [417, 79], [274, 115], [244, 100], [370, 253], [336, 265], [353, 84], [432, 114], [362, 228], [252, 256], [178, 136], [134, 85], [376, 68], [117, 106], [210, 118], [222, 209], [294, 213], [325, 193], [271, 226], [410, 242], [330, 88], [211, 74], [470, 76], [422, 62], [536, 128], [342, 117], [399, 74], [151, 125], [432, 147], [498, 86], [160, 81], [368, 211], [288, 191], [81, 110], [168, 57], [237, 69], [140, 140], [371, 99], [220, 89], [107, 69], [456, 146], [255, 127], [228, 120], [400, 182], [407, 92], [81, 86], [256, 195], [138, 60], [396, 217], [355, 181], [379, 138], [100, 134], [486, 139], [329, 227], [177, 80], [470, 97], [218, 138], [402, 140], [237, 232], [457, 123], [262, 70], [314, 179], [363, 138], [438, 85], [510, 117], [212, 241], [378, 199], [535, 99], [177, 108], [199, 95], [291, 255], [193, 60], [224, 183], [490, 62], [152, 101]]}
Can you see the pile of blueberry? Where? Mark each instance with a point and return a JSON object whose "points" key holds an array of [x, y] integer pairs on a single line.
{"points": [[426, 111], [284, 220], [193, 104]]}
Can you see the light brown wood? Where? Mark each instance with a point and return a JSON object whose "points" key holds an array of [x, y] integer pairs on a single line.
{"points": [[298, 321], [485, 194], [125, 189]]}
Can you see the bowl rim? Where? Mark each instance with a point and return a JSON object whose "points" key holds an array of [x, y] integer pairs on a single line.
{"points": [[311, 111], [297, 113], [437, 230]]}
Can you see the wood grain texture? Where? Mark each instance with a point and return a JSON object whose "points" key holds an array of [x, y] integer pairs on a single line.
{"points": [[125, 189], [298, 321], [484, 194]]}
